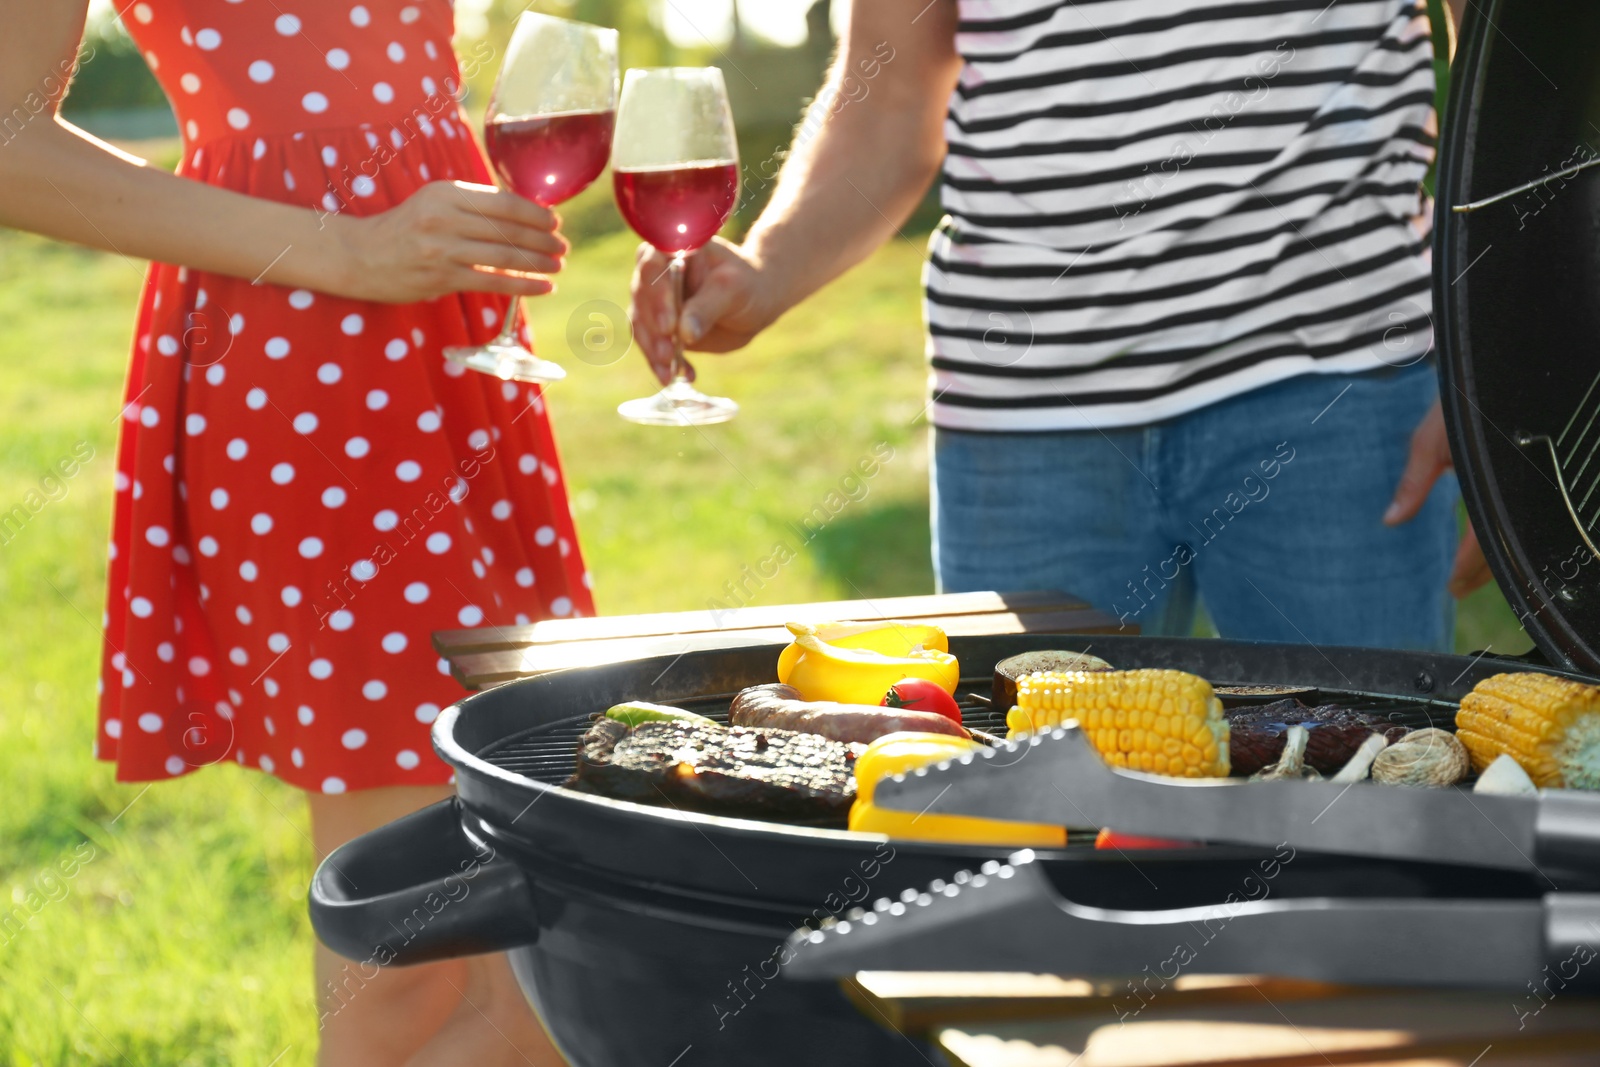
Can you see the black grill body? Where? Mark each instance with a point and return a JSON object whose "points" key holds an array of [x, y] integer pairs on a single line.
{"points": [[641, 931]]}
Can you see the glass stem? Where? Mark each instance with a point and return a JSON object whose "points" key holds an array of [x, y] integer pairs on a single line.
{"points": [[508, 329], [675, 269]]}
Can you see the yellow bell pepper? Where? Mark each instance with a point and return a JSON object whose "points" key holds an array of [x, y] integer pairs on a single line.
{"points": [[898, 753], [891, 637], [855, 668]]}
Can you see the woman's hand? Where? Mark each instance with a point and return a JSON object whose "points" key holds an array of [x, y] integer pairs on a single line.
{"points": [[449, 237], [727, 301]]}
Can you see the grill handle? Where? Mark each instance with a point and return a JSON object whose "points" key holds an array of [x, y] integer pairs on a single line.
{"points": [[1010, 917], [424, 887]]}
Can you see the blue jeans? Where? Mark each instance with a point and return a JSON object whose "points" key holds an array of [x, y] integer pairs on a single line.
{"points": [[1267, 506]]}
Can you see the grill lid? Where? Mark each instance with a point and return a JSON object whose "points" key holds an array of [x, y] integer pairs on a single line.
{"points": [[1516, 288]]}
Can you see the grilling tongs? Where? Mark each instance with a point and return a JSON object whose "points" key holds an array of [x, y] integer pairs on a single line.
{"points": [[1056, 777]]}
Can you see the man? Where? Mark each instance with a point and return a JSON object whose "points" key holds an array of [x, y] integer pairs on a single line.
{"points": [[1178, 313]]}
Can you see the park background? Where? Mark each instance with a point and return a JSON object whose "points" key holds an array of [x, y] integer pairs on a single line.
{"points": [[180, 935]]}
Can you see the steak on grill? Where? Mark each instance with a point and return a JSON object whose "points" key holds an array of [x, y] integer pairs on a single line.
{"points": [[708, 767]]}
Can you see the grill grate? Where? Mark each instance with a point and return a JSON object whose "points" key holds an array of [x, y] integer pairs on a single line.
{"points": [[546, 753]]}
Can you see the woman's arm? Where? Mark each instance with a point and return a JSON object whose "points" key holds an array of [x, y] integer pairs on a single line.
{"points": [[58, 181], [860, 162]]}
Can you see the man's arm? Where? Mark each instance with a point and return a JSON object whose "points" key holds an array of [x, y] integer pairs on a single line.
{"points": [[859, 165]]}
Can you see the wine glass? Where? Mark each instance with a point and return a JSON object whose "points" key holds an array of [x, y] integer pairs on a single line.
{"points": [[548, 133], [675, 166]]}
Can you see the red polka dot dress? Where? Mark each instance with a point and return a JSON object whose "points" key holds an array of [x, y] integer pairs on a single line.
{"points": [[306, 490]]}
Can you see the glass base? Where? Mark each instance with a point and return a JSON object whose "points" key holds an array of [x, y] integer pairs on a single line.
{"points": [[508, 362], [679, 404]]}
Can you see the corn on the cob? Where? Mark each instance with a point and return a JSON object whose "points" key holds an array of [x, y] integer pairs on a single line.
{"points": [[1550, 726], [1165, 722]]}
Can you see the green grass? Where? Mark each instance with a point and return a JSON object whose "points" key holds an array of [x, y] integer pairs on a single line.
{"points": [[183, 938]]}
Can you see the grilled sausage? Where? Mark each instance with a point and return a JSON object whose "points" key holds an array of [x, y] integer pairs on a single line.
{"points": [[780, 707]]}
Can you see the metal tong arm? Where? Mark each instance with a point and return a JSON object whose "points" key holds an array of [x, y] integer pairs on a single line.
{"points": [[1009, 917], [1057, 777]]}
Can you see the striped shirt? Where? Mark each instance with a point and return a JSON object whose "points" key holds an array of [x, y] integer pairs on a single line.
{"points": [[1153, 205]]}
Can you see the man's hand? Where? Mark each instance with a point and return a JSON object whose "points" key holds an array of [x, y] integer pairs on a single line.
{"points": [[1430, 457], [726, 303]]}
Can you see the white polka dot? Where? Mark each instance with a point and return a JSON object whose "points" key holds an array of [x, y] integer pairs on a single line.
{"points": [[311, 547], [545, 535], [329, 373], [321, 669], [141, 607], [278, 642], [272, 690], [561, 607], [208, 546], [194, 424], [301, 299], [238, 448], [338, 58], [216, 373], [288, 25], [396, 349], [357, 447], [199, 666], [360, 16], [208, 40], [341, 620], [149, 722], [158, 536], [165, 652], [428, 421], [471, 615], [478, 440], [267, 764], [190, 83], [261, 523], [219, 495], [238, 657], [242, 613], [149, 416], [333, 497], [305, 422], [383, 93], [375, 690], [291, 596], [426, 713], [501, 509], [113, 728], [249, 571], [258, 149], [363, 570], [305, 715], [396, 52], [238, 118], [289, 183], [363, 186], [394, 643], [314, 102], [409, 14], [458, 493], [416, 592], [174, 765], [297, 757], [353, 738], [256, 399], [352, 324], [525, 576], [438, 542], [408, 471], [527, 463], [330, 155], [192, 130], [333, 785], [143, 13], [377, 400], [386, 520], [277, 347], [261, 72], [407, 759], [282, 473]]}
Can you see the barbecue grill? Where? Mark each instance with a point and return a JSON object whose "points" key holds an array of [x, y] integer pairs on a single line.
{"points": [[648, 935]]}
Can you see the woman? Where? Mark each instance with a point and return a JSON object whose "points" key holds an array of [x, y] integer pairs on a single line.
{"points": [[305, 489]]}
